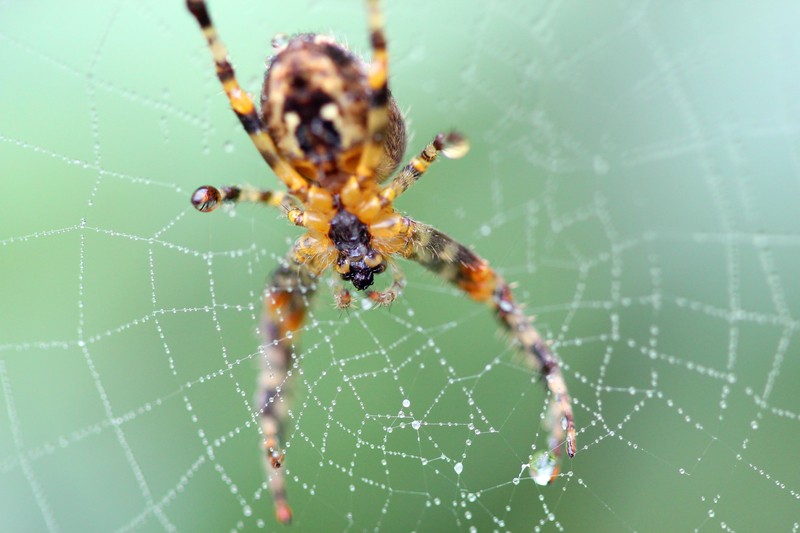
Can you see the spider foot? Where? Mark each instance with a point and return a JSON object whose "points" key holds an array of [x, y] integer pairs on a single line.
{"points": [[275, 458], [383, 298], [283, 513], [572, 448], [342, 299]]}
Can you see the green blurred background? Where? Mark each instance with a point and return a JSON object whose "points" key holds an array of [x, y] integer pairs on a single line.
{"points": [[634, 167]]}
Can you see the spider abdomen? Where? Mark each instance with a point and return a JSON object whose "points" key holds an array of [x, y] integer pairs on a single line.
{"points": [[314, 104]]}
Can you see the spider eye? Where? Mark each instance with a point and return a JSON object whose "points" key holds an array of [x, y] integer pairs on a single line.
{"points": [[206, 198]]}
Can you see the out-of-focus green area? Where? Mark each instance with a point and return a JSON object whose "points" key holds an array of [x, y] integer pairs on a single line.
{"points": [[634, 168]]}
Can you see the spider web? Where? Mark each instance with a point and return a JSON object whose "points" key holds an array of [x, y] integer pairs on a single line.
{"points": [[634, 168]]}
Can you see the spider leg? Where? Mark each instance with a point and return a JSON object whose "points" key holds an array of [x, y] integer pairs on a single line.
{"points": [[388, 295], [242, 104], [287, 298], [451, 145], [341, 296], [310, 219], [378, 117], [208, 198], [461, 266]]}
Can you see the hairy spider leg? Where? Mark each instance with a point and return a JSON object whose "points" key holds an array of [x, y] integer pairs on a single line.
{"points": [[287, 298], [243, 105], [464, 268], [452, 145], [390, 294], [378, 116], [341, 296], [208, 198]]}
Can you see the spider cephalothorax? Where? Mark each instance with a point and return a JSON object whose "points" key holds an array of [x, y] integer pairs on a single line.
{"points": [[332, 133]]}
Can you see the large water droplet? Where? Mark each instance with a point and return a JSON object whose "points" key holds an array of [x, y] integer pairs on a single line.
{"points": [[458, 467], [543, 467], [279, 41], [454, 145]]}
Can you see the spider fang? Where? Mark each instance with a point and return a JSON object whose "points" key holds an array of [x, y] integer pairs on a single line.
{"points": [[351, 237]]}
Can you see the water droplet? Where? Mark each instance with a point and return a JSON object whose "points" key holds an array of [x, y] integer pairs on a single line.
{"points": [[543, 467], [416, 424], [454, 145], [279, 41], [458, 467], [406, 403]]}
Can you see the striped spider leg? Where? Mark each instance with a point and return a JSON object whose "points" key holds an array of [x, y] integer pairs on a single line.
{"points": [[242, 104], [394, 234], [288, 295], [463, 268]]}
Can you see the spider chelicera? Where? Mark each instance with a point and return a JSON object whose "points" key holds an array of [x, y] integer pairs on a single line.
{"points": [[332, 133]]}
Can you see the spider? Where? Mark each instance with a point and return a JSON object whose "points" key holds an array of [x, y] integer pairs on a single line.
{"points": [[332, 132]]}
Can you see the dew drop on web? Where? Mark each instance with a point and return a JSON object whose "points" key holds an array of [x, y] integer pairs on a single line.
{"points": [[279, 41], [543, 467], [455, 146]]}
